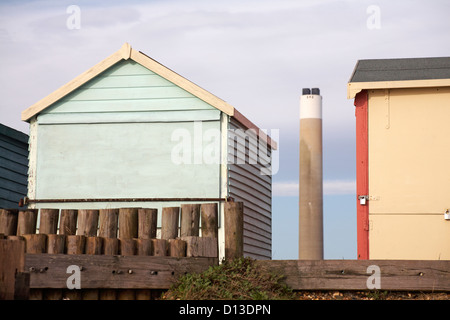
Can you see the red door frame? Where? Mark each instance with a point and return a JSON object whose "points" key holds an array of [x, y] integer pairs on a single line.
{"points": [[362, 174]]}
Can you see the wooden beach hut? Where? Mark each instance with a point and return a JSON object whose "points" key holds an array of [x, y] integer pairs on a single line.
{"points": [[402, 156], [130, 132]]}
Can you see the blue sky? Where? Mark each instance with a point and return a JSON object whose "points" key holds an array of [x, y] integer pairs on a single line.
{"points": [[256, 55]]}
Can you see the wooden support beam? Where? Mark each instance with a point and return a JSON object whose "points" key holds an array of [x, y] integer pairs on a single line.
{"points": [[177, 248], [128, 230], [169, 222], [108, 220], [14, 283], [8, 221], [26, 223], [127, 247], [110, 246], [15, 238], [48, 222], [234, 230], [35, 243], [94, 245], [404, 275], [362, 173], [160, 247], [56, 243], [75, 244], [147, 223], [113, 272], [190, 220], [209, 218], [68, 222], [87, 223], [22, 286], [144, 247], [128, 223], [201, 247]]}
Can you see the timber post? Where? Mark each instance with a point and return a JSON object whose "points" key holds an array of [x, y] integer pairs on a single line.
{"points": [[169, 222], [48, 222], [190, 219], [87, 222], [26, 223], [234, 230], [8, 221]]}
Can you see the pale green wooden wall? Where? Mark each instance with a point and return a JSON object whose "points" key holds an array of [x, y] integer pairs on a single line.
{"points": [[111, 138]]}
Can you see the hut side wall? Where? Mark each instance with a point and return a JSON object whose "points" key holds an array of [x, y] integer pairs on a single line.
{"points": [[247, 183]]}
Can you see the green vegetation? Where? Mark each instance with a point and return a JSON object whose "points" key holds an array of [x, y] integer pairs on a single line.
{"points": [[239, 279], [378, 295]]}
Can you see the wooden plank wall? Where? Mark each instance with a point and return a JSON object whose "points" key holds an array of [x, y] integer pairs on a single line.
{"points": [[247, 184], [128, 86], [13, 166], [392, 275], [127, 114]]}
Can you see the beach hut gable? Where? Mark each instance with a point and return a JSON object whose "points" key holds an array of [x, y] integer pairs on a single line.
{"points": [[124, 88], [144, 72]]}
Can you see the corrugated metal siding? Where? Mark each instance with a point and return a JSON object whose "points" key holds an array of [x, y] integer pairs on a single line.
{"points": [[247, 184], [13, 166]]}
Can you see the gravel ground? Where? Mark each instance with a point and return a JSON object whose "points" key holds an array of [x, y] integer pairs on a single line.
{"points": [[371, 295]]}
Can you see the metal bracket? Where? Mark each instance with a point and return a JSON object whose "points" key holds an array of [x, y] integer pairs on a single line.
{"points": [[363, 200]]}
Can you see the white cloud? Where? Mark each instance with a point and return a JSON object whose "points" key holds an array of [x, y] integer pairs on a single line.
{"points": [[285, 189], [330, 187], [339, 187]]}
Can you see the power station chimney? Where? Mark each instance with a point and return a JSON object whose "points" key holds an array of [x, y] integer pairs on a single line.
{"points": [[310, 183]]}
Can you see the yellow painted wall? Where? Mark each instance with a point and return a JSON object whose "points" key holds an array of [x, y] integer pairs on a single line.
{"points": [[411, 237], [409, 173]]}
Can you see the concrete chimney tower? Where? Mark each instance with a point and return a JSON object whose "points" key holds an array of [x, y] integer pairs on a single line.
{"points": [[310, 182]]}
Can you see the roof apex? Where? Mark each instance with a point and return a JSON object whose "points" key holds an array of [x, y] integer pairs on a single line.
{"points": [[124, 53], [127, 52]]}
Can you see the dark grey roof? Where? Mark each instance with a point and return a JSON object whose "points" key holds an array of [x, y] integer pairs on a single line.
{"points": [[401, 69]]}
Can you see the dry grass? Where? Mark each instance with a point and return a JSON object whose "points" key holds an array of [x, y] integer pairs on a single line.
{"points": [[241, 279]]}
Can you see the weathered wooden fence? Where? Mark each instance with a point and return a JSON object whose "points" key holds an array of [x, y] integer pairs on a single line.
{"points": [[116, 254], [113, 253], [390, 275]]}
